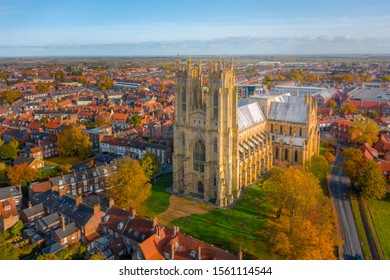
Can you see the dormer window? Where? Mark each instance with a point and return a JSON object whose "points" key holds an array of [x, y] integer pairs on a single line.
{"points": [[72, 179], [106, 218], [84, 177], [60, 182], [7, 208], [120, 226]]}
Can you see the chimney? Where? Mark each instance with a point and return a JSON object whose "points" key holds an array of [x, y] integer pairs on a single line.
{"points": [[240, 254], [154, 222], [110, 202], [172, 250], [158, 229], [176, 229], [63, 222], [29, 204], [74, 172], [132, 212], [78, 199], [96, 208], [20, 188], [199, 255]]}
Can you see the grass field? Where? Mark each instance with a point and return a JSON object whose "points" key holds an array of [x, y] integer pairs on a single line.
{"points": [[380, 212], [158, 202], [243, 224], [359, 225], [56, 161]]}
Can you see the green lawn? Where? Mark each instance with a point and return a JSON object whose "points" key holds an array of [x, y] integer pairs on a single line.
{"points": [[380, 212], [158, 202], [359, 225], [325, 148], [56, 161], [228, 228]]}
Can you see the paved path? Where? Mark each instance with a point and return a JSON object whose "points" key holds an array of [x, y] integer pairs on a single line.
{"points": [[181, 207], [339, 192]]}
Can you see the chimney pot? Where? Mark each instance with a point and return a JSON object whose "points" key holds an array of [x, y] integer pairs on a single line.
{"points": [[110, 202], [63, 223], [154, 222], [132, 212], [199, 253]]}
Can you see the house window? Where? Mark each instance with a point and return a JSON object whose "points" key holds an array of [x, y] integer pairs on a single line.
{"points": [[199, 156]]}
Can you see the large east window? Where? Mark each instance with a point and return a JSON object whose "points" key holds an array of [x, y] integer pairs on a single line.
{"points": [[199, 156]]}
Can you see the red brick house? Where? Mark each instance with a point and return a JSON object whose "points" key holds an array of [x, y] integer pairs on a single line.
{"points": [[30, 215], [67, 234], [340, 130]]}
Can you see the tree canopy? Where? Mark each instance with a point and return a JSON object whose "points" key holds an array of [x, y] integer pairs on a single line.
{"points": [[305, 223], [129, 186], [72, 141], [151, 165], [364, 131], [9, 96], [372, 182], [319, 167], [353, 162], [42, 88], [135, 120], [21, 174], [10, 150], [349, 108]]}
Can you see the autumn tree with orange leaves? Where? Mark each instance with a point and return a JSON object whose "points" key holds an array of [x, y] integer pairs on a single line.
{"points": [[304, 227]]}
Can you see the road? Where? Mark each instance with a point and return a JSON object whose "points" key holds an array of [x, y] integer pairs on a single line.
{"points": [[339, 192]]}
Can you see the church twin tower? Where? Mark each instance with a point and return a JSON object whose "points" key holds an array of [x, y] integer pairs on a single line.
{"points": [[220, 146], [205, 133]]}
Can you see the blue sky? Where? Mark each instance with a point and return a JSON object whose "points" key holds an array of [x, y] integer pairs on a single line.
{"points": [[85, 27]]}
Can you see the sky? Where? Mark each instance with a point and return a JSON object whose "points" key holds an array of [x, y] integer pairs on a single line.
{"points": [[212, 27]]}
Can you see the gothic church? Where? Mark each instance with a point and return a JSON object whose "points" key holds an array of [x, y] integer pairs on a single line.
{"points": [[223, 144]]}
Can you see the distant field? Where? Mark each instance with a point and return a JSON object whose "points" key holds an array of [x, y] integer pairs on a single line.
{"points": [[243, 224], [56, 161], [380, 212]]}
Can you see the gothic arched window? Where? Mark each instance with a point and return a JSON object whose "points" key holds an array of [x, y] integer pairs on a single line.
{"points": [[215, 146], [296, 156], [300, 131], [290, 130], [216, 104], [277, 152], [281, 129], [199, 156], [183, 100], [286, 154]]}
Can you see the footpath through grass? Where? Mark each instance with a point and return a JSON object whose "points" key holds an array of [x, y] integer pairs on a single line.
{"points": [[243, 224], [359, 225], [380, 212], [158, 202]]}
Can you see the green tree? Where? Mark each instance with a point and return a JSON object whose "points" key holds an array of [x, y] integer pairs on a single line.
{"points": [[49, 257], [268, 81], [374, 114], [9, 96], [96, 257], [151, 165], [21, 174], [332, 103], [364, 131], [71, 141], [135, 120], [41, 88], [349, 108], [353, 163], [10, 150], [386, 78], [66, 168], [3, 172], [372, 183], [319, 167], [129, 186], [59, 75]]}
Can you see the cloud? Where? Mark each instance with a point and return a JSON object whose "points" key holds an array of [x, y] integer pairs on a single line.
{"points": [[244, 45]]}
